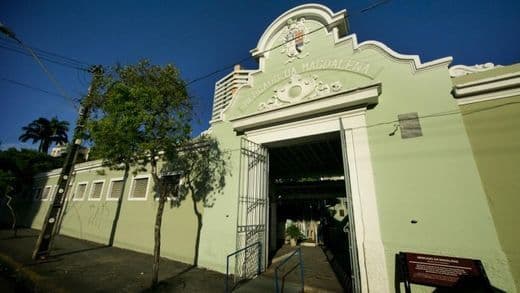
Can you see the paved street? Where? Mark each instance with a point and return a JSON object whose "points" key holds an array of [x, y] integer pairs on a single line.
{"points": [[82, 266]]}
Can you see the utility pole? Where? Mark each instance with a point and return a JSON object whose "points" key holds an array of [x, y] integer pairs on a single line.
{"points": [[44, 243]]}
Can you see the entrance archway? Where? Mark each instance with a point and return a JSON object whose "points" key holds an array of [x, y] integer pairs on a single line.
{"points": [[370, 258]]}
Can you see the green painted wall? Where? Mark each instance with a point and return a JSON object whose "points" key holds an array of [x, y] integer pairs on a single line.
{"points": [[494, 131], [432, 179], [93, 220], [220, 221]]}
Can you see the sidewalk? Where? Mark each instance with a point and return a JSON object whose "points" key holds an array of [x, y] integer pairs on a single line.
{"points": [[82, 266]]}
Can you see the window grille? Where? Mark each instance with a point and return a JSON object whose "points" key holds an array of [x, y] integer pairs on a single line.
{"points": [[46, 192], [97, 187], [80, 192], [116, 189], [139, 188]]}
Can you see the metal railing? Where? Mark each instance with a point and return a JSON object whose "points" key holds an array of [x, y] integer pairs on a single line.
{"points": [[238, 251], [300, 263]]}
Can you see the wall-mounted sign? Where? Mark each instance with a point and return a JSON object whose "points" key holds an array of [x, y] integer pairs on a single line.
{"points": [[442, 271]]}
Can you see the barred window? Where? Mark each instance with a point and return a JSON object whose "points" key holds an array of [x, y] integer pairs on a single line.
{"points": [[46, 192], [116, 189], [97, 188], [139, 188], [80, 191]]}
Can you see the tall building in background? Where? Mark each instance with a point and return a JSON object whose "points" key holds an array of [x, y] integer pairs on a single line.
{"points": [[226, 88]]}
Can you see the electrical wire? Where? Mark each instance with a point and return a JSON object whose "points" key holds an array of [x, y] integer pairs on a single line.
{"points": [[11, 42], [46, 58], [33, 87], [361, 11]]}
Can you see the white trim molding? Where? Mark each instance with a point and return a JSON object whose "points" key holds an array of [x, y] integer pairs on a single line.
{"points": [[359, 97], [109, 190], [312, 11], [49, 194], [372, 260], [131, 190], [336, 23], [497, 87], [78, 168], [74, 198], [102, 181], [460, 70]]}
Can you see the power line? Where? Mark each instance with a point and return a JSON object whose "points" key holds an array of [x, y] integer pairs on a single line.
{"points": [[46, 58], [34, 88], [207, 75], [48, 53]]}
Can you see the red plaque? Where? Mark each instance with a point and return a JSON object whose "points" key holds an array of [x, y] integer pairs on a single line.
{"points": [[435, 270]]}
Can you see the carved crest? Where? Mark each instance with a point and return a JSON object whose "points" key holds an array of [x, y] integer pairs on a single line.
{"points": [[299, 88], [295, 39]]}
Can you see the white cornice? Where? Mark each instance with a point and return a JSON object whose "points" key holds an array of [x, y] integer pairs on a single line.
{"points": [[460, 70], [414, 60], [491, 88], [316, 12], [329, 17], [357, 97], [496, 87], [77, 168], [489, 96]]}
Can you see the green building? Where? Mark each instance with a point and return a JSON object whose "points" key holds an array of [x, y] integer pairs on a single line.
{"points": [[425, 158]]}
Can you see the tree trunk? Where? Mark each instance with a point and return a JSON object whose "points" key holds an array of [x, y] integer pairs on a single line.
{"points": [[118, 209], [199, 228], [45, 146], [157, 234], [13, 215]]}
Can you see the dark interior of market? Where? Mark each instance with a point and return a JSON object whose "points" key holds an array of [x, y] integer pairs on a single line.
{"points": [[307, 189]]}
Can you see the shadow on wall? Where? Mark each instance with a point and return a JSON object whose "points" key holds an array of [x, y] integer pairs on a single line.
{"points": [[199, 170]]}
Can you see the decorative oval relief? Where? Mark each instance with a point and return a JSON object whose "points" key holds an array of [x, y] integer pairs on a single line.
{"points": [[299, 88]]}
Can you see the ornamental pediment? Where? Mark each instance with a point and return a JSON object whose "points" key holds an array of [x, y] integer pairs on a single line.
{"points": [[306, 55], [297, 89]]}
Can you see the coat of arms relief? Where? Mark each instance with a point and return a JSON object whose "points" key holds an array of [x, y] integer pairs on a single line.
{"points": [[295, 37], [299, 88]]}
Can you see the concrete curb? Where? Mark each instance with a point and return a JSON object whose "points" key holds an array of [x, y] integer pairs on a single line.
{"points": [[27, 278]]}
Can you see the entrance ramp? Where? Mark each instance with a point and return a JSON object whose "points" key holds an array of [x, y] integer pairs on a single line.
{"points": [[318, 273]]}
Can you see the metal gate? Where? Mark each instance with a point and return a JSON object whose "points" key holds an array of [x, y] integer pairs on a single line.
{"points": [[350, 227], [252, 210]]}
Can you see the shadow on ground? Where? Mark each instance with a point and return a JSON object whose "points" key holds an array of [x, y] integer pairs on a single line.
{"points": [[82, 266]]}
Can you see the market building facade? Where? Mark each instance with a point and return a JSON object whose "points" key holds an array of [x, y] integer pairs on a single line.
{"points": [[404, 151]]}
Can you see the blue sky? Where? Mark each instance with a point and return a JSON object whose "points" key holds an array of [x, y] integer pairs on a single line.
{"points": [[202, 36]]}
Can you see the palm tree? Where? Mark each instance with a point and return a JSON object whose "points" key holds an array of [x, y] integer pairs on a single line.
{"points": [[46, 132]]}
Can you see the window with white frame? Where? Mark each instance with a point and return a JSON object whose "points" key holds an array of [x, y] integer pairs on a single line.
{"points": [[80, 191], [46, 192], [139, 188], [96, 189], [116, 188]]}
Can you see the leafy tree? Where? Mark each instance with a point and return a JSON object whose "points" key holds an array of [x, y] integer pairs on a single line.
{"points": [[17, 169], [143, 114], [46, 132], [203, 167]]}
